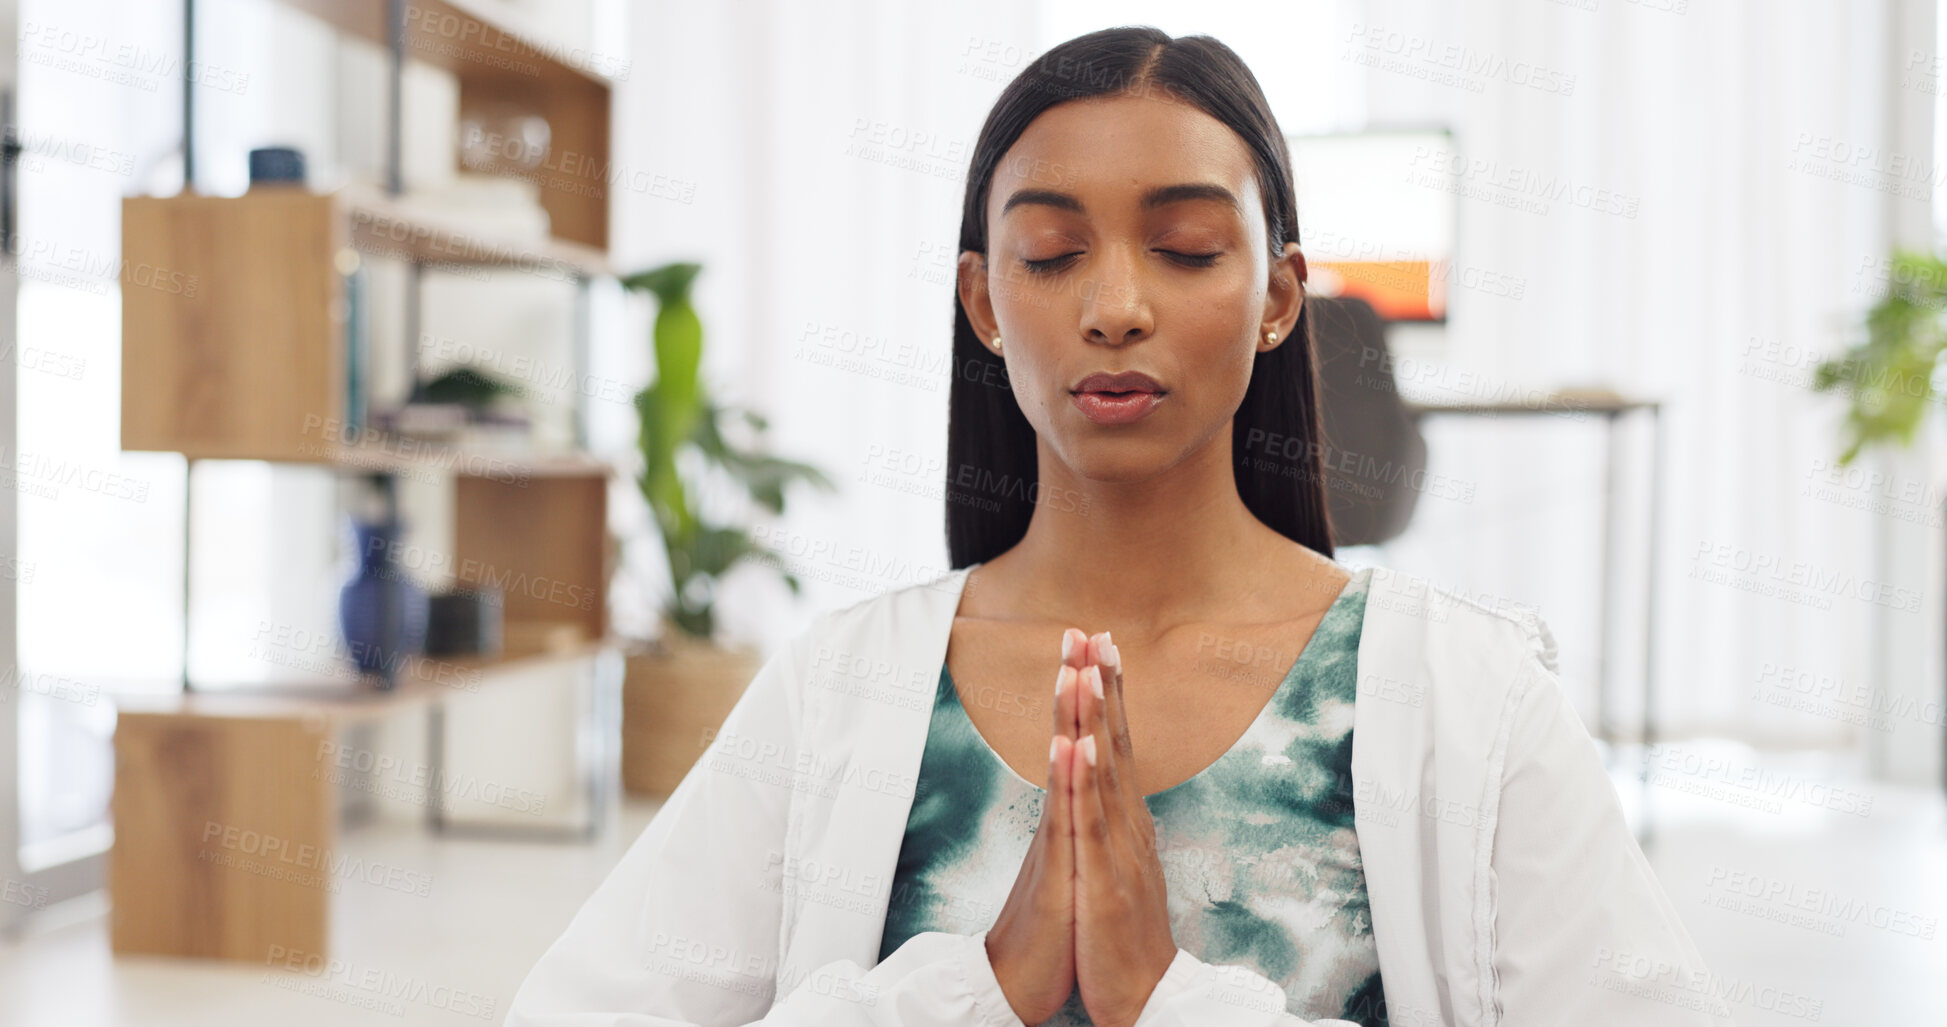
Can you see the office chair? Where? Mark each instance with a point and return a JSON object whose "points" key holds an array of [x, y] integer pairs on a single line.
{"points": [[1375, 456]]}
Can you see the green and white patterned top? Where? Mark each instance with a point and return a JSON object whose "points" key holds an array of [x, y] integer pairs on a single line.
{"points": [[1258, 848]]}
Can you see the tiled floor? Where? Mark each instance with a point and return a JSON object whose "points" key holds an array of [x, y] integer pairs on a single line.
{"points": [[1807, 911]]}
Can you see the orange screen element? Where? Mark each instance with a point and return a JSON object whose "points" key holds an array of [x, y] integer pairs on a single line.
{"points": [[1399, 290]]}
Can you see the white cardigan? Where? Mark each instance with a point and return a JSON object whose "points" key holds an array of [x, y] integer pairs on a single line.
{"points": [[1504, 884]]}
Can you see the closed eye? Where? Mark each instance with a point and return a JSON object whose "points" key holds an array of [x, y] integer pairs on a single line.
{"points": [[1053, 264], [1050, 265]]}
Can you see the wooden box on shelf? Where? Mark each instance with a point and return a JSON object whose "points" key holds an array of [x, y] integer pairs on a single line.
{"points": [[234, 316]]}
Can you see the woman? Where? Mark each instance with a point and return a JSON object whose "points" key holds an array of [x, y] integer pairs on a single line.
{"points": [[948, 804]]}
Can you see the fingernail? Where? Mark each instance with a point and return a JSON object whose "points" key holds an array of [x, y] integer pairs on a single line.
{"points": [[1054, 745], [1095, 680], [1067, 645], [1087, 745], [1110, 654], [1061, 675]]}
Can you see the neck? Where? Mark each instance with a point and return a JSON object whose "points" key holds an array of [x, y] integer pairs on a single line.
{"points": [[1141, 555]]}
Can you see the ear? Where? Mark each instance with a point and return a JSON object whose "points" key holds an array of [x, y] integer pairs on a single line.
{"points": [[974, 296], [1285, 299]]}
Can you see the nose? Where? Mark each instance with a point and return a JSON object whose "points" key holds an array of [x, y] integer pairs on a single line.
{"points": [[1115, 300]]}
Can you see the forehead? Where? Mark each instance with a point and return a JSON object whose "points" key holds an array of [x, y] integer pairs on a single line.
{"points": [[1107, 151]]}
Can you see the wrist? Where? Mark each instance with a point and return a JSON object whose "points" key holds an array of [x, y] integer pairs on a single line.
{"points": [[1177, 972]]}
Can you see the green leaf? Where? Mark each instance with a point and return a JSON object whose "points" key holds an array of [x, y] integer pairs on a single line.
{"points": [[1888, 377], [676, 415]]}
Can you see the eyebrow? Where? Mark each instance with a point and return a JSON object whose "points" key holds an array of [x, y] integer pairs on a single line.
{"points": [[1159, 196]]}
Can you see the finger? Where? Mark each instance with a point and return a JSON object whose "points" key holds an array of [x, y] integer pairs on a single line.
{"points": [[1102, 651], [1057, 819], [1067, 686], [1074, 648], [1110, 782], [1074, 656], [1094, 857]]}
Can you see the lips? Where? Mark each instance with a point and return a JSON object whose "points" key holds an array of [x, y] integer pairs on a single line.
{"points": [[1121, 381], [1120, 398]]}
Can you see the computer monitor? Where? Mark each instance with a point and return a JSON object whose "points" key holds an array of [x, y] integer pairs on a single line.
{"points": [[1375, 218]]}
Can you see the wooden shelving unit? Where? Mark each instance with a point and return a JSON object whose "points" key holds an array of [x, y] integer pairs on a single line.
{"points": [[244, 355]]}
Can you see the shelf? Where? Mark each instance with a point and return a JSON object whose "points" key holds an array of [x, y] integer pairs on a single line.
{"points": [[500, 67], [341, 700], [236, 350], [458, 36], [402, 455], [382, 226]]}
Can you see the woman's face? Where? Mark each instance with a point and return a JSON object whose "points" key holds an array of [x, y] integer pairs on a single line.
{"points": [[1126, 234]]}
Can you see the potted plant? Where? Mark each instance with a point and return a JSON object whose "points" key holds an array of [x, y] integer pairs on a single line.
{"points": [[678, 688]]}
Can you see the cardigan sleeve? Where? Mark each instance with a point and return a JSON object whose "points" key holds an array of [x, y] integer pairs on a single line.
{"points": [[1578, 928], [686, 929], [1194, 993]]}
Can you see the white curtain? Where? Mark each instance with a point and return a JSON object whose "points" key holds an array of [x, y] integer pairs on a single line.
{"points": [[1676, 185], [1763, 157]]}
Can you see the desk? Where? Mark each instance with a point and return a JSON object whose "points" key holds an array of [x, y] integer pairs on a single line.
{"points": [[1611, 408]]}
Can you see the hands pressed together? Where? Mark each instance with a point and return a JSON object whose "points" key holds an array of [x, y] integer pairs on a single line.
{"points": [[1089, 909]]}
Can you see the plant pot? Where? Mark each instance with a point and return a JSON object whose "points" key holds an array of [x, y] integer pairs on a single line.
{"points": [[675, 695]]}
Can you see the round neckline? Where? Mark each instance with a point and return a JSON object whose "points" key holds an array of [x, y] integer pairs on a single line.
{"points": [[1292, 672]]}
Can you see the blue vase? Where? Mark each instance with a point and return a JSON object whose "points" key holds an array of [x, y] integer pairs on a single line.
{"points": [[381, 612]]}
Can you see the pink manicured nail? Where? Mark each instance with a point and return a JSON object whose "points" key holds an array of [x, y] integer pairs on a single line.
{"points": [[1054, 745], [1062, 677], [1095, 680], [1087, 745], [1068, 645], [1110, 654]]}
